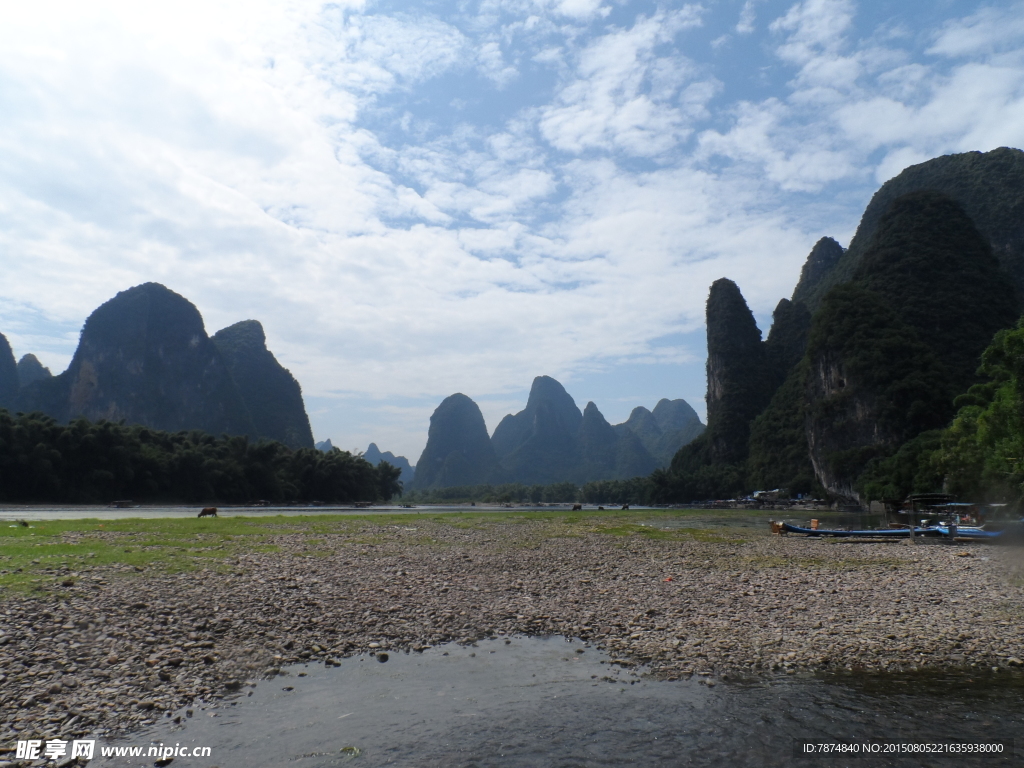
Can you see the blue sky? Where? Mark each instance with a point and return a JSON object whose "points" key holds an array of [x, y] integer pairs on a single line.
{"points": [[422, 198]]}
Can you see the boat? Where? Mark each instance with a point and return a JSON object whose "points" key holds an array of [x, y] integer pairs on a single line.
{"points": [[967, 532], [883, 533], [954, 532]]}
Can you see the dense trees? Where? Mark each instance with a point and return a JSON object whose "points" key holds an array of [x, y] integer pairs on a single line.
{"points": [[42, 460], [982, 451], [637, 490]]}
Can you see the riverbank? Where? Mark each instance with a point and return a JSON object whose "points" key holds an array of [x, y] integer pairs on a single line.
{"points": [[166, 613]]}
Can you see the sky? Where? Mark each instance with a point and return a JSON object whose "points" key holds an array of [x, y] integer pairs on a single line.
{"points": [[417, 199]]}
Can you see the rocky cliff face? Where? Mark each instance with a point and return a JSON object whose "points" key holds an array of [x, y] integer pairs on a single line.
{"points": [[374, 455], [270, 393], [458, 450], [9, 384], [30, 370], [737, 386], [850, 416], [989, 186], [144, 357], [540, 444], [891, 349]]}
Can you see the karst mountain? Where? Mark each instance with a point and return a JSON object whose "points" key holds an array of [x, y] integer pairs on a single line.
{"points": [[144, 357], [549, 441], [875, 348]]}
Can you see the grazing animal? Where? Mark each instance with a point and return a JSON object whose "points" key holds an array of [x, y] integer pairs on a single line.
{"points": [[625, 506], [208, 512], [600, 508], [577, 507]]}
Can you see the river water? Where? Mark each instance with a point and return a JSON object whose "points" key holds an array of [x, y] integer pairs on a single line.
{"points": [[536, 702]]}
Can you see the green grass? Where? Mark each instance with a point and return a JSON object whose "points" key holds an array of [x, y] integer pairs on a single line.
{"points": [[41, 556], [44, 554]]}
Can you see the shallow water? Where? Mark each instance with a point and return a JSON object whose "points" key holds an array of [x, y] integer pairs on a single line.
{"points": [[537, 702]]}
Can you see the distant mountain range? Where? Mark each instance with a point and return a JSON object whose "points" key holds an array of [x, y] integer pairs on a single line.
{"points": [[375, 457], [550, 441], [144, 357]]}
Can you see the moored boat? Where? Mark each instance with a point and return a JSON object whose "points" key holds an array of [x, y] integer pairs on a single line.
{"points": [[869, 533], [968, 532]]}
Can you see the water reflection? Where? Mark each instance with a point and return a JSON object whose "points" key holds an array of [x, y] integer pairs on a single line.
{"points": [[539, 702]]}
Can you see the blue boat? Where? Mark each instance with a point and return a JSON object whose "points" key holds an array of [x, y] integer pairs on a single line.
{"points": [[961, 532], [883, 533], [969, 532]]}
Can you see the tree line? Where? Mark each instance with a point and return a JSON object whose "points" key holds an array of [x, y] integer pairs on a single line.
{"points": [[636, 490], [43, 461]]}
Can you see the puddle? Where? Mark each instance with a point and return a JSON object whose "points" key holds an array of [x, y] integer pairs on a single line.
{"points": [[537, 702]]}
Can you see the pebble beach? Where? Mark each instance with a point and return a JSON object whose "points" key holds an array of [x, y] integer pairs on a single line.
{"points": [[116, 647]]}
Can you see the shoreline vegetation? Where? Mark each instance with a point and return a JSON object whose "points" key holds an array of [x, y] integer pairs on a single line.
{"points": [[42, 460], [110, 625], [637, 490]]}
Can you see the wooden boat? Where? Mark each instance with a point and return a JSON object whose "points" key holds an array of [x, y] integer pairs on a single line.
{"points": [[961, 532], [884, 533]]}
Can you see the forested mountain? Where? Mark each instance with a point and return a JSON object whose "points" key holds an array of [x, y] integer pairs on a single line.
{"points": [[270, 393], [817, 269], [144, 358], [551, 441], [890, 350], [987, 185], [863, 366]]}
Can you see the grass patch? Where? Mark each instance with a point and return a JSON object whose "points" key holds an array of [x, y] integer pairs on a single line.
{"points": [[43, 554]]}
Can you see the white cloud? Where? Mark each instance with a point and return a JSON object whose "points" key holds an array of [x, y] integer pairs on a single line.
{"points": [[492, 63], [560, 207], [814, 27], [851, 99], [988, 31], [377, 51], [620, 96], [748, 16]]}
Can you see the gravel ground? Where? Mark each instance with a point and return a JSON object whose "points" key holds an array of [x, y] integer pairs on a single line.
{"points": [[121, 649]]}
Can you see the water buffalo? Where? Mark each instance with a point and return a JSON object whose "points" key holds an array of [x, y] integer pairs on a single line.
{"points": [[208, 512]]}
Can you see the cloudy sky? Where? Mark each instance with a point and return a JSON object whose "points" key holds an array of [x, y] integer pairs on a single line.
{"points": [[428, 197]]}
